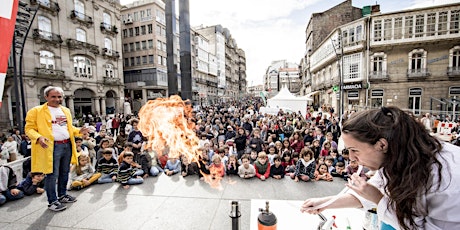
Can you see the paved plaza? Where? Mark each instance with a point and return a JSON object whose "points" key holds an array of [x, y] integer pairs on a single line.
{"points": [[165, 203]]}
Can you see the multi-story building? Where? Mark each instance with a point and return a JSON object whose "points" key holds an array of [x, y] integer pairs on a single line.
{"points": [[282, 74], [408, 58], [144, 51], [75, 45]]}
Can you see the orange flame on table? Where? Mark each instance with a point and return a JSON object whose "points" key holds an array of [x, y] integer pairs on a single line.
{"points": [[167, 122]]}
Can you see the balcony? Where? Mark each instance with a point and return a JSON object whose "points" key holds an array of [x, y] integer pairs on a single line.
{"points": [[48, 5], [108, 29], [200, 80], [417, 73], [81, 18], [453, 71], [110, 53], [378, 75], [47, 37], [50, 73], [211, 83], [75, 44], [111, 81]]}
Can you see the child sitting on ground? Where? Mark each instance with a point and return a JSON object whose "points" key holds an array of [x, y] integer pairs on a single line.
{"points": [[287, 163], [353, 168], [107, 166], [82, 175], [339, 170], [322, 173], [253, 157], [305, 167], [203, 163], [277, 170], [126, 173], [172, 166], [8, 189], [33, 183], [232, 165], [246, 170], [187, 167], [217, 168], [262, 166]]}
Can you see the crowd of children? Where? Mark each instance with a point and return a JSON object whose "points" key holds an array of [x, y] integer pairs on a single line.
{"points": [[264, 146]]}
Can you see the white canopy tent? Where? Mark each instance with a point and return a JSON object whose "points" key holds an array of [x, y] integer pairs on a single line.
{"points": [[287, 101]]}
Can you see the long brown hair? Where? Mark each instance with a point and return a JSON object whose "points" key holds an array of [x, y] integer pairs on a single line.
{"points": [[408, 162]]}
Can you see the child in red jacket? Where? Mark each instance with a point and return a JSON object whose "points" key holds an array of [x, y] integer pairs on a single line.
{"points": [[262, 166]]}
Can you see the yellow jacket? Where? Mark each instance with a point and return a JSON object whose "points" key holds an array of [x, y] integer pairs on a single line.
{"points": [[38, 123]]}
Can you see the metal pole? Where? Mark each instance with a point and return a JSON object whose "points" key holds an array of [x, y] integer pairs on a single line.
{"points": [[170, 11], [185, 50], [21, 59], [235, 214], [16, 88]]}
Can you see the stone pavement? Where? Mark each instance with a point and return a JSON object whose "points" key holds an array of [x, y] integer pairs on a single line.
{"points": [[160, 203]]}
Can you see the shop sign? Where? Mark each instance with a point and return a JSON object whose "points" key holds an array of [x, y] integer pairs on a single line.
{"points": [[377, 93], [352, 86]]}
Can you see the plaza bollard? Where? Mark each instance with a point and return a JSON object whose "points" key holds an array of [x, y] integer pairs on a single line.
{"points": [[235, 214], [266, 220]]}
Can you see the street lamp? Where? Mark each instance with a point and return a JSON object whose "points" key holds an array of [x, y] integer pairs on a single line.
{"points": [[454, 105]]}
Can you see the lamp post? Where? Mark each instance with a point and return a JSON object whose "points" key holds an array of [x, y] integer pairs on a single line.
{"points": [[454, 105], [339, 56]]}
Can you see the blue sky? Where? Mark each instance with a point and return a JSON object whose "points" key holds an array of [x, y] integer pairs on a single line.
{"points": [[269, 30]]}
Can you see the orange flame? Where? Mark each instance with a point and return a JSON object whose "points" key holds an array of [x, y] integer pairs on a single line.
{"points": [[167, 122]]}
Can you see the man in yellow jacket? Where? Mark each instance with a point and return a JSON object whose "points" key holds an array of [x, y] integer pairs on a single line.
{"points": [[49, 127]]}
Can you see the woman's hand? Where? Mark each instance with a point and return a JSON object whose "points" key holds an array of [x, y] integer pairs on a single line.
{"points": [[364, 189], [309, 204]]}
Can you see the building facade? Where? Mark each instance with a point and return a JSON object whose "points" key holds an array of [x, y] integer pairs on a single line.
{"points": [[282, 74], [75, 45], [408, 59]]}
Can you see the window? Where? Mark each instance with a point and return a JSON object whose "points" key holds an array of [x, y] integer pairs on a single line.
{"points": [[417, 63], [126, 62], [387, 29], [419, 25], [125, 48], [144, 60], [109, 72], [151, 59], [132, 61], [138, 46], [352, 35], [81, 35], [359, 31], [345, 38], [454, 21], [431, 24], [148, 12], [80, 9], [409, 26], [377, 98], [454, 60], [352, 66], [138, 60], [150, 42], [44, 26], [136, 16], [82, 67], [144, 45], [159, 60], [158, 45], [108, 43], [377, 64], [378, 30], [142, 14], [131, 32], [158, 30], [150, 28], [46, 60], [398, 28], [415, 100], [107, 20], [125, 33], [143, 32], [136, 29], [442, 23], [131, 47]]}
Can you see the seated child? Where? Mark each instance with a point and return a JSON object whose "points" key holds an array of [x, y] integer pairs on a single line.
{"points": [[305, 167], [253, 157], [329, 161], [107, 166], [287, 162], [339, 170], [322, 173], [232, 165], [8, 189], [277, 170], [203, 164], [271, 154], [33, 183], [172, 166], [155, 166], [262, 166], [82, 175], [187, 167], [246, 170], [217, 169], [126, 173], [128, 147], [353, 168]]}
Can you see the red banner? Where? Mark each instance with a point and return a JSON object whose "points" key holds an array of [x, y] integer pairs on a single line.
{"points": [[8, 12]]}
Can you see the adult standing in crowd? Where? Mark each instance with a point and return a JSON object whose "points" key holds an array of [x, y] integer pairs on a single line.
{"points": [[49, 127], [417, 185]]}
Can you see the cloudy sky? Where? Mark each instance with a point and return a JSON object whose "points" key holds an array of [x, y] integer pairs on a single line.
{"points": [[269, 30]]}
